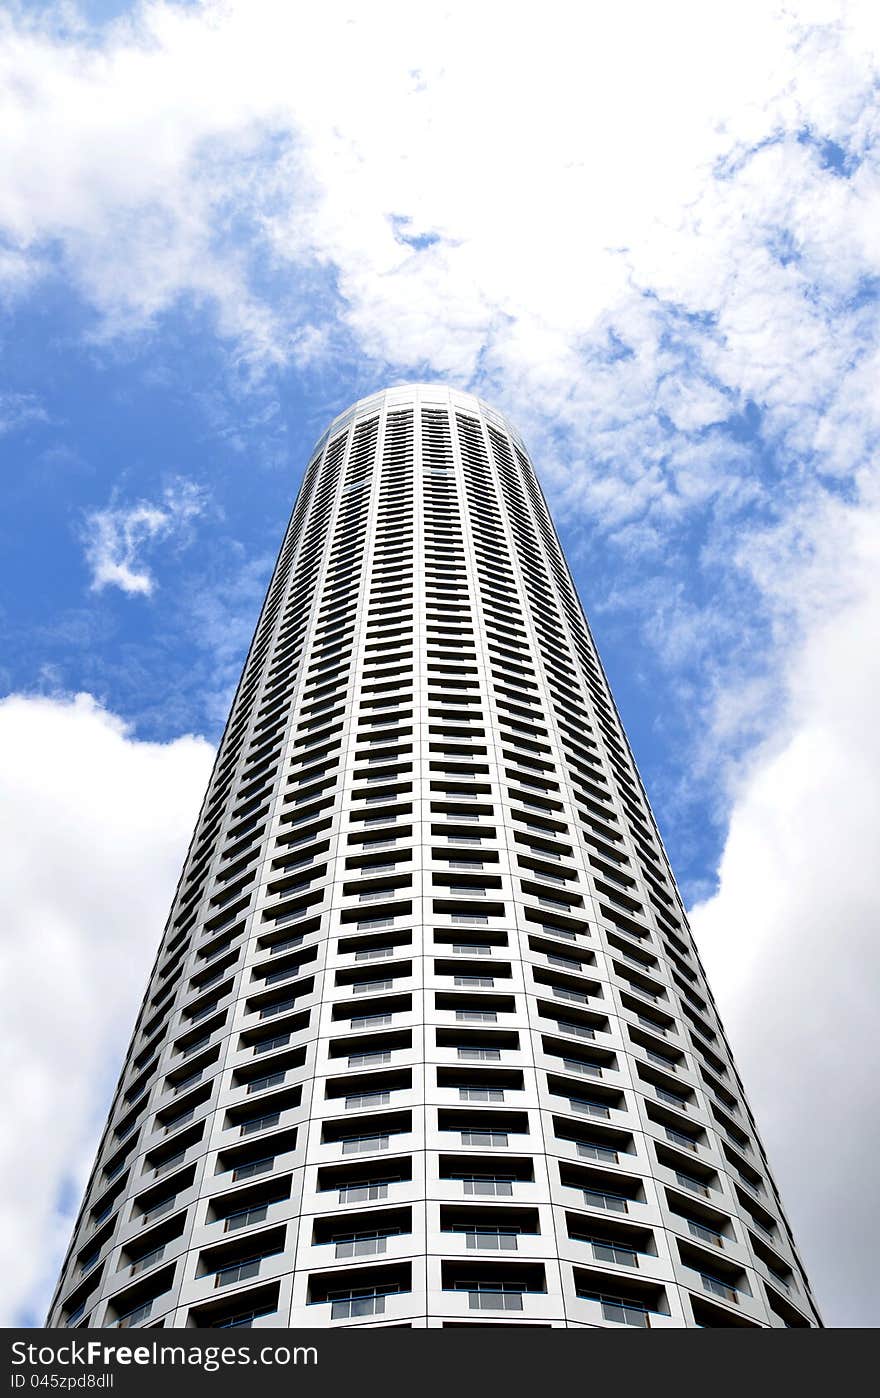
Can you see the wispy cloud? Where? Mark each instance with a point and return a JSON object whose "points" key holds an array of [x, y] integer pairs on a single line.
{"points": [[19, 410], [117, 538]]}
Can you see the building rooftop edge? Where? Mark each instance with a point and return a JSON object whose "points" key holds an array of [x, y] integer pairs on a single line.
{"points": [[412, 391]]}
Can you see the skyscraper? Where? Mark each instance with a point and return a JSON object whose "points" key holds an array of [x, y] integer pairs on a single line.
{"points": [[427, 1041]]}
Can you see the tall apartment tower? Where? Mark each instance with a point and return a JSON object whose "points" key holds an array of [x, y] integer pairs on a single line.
{"points": [[427, 1042]]}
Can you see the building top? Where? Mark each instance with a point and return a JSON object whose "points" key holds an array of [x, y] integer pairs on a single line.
{"points": [[423, 394]]}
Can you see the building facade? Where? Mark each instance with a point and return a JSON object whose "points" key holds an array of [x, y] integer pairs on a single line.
{"points": [[427, 1041]]}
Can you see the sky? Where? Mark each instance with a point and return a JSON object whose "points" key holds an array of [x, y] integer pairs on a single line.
{"points": [[650, 234]]}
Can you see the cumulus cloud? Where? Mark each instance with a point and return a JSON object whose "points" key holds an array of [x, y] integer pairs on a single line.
{"points": [[790, 936], [93, 825], [186, 150], [116, 538], [676, 230]]}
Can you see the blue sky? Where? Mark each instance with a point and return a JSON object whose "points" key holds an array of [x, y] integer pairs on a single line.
{"points": [[651, 239], [104, 427]]}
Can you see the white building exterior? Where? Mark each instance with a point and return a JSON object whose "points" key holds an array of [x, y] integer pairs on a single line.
{"points": [[427, 1041]]}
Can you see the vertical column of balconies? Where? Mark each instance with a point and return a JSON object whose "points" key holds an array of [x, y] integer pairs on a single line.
{"points": [[359, 1204], [332, 710], [503, 1258], [586, 1077], [113, 1243], [465, 1170], [253, 1175], [621, 921]]}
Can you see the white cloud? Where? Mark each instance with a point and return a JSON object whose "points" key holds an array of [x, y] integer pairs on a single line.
{"points": [[17, 410], [93, 825], [193, 144], [648, 241], [790, 938], [115, 538]]}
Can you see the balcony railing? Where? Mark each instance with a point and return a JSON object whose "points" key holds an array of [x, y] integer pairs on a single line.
{"points": [[493, 1239], [719, 1288], [705, 1234], [361, 1247], [495, 1300], [141, 1264]]}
